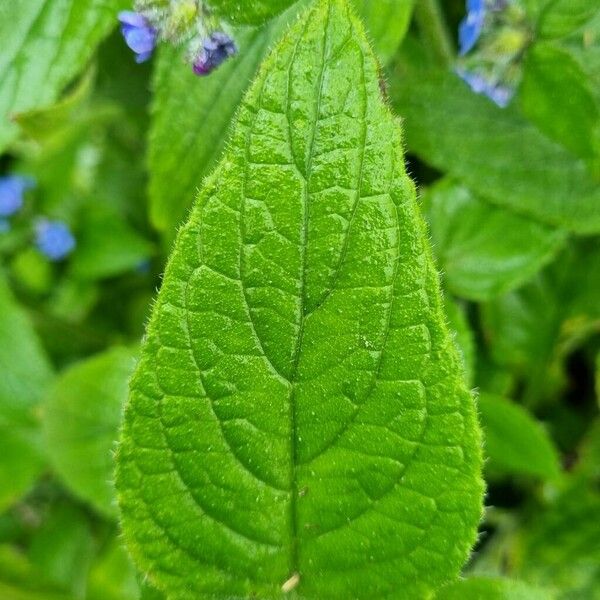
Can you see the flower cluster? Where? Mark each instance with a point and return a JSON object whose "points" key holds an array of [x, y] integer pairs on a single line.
{"points": [[492, 37], [52, 238], [182, 23]]}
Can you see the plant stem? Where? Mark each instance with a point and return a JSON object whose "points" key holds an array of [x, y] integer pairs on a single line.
{"points": [[434, 30]]}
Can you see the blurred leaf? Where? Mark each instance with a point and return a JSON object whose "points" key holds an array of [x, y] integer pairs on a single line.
{"points": [[43, 124], [20, 580], [45, 43], [25, 376], [555, 94], [63, 548], [491, 588], [463, 335], [514, 441], [81, 420], [191, 121], [113, 576], [563, 17], [244, 13], [107, 246], [533, 328], [494, 151], [484, 250], [32, 271], [386, 22], [559, 547]]}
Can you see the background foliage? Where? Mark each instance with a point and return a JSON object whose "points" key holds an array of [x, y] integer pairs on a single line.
{"points": [[117, 151]]}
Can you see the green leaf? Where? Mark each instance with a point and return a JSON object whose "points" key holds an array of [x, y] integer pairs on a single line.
{"points": [[299, 418], [81, 423], [63, 547], [45, 44], [559, 547], [485, 250], [26, 374], [109, 246], [557, 96], [113, 577], [386, 22], [563, 17], [463, 336], [491, 588], [514, 441], [253, 13], [533, 328], [191, 121], [495, 152]]}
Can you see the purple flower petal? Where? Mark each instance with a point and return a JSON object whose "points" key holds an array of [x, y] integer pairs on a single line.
{"points": [[215, 50], [12, 188], [475, 5], [133, 19], [469, 31], [140, 41], [54, 239], [139, 34]]}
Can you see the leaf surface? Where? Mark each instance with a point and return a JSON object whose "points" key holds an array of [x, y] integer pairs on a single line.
{"points": [[45, 43], [299, 418]]}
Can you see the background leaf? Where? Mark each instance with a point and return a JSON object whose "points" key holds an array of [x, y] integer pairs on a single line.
{"points": [[255, 12], [26, 372], [81, 422], [485, 250], [495, 152], [489, 588], [45, 45], [514, 441]]}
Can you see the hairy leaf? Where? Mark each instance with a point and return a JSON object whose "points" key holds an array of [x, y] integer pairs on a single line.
{"points": [[299, 419], [81, 423], [485, 250], [25, 373], [514, 441], [45, 43], [495, 151]]}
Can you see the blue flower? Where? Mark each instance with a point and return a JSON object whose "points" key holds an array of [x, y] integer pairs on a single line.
{"points": [[139, 34], [471, 26], [215, 50], [54, 239], [498, 93], [12, 188]]}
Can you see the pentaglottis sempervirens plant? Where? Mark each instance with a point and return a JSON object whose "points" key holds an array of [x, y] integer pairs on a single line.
{"points": [[299, 416], [359, 244]]}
